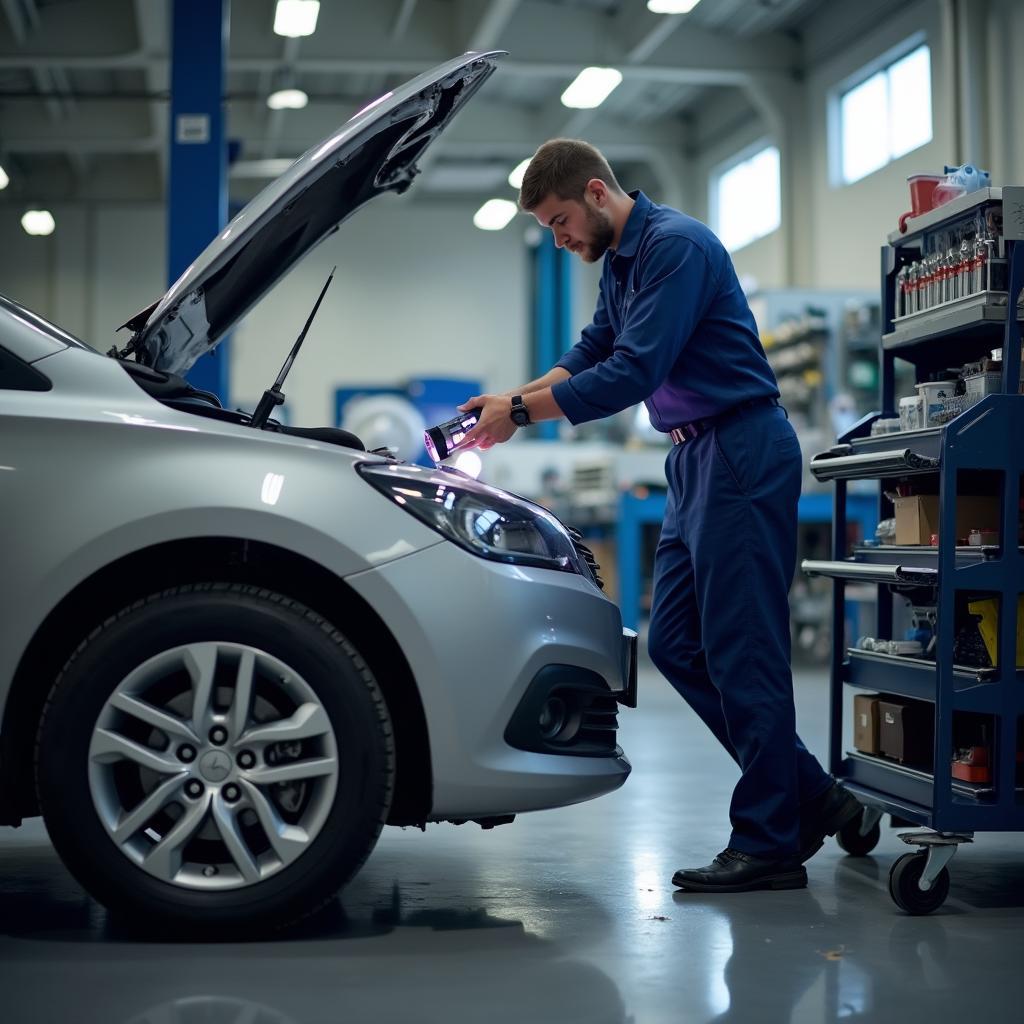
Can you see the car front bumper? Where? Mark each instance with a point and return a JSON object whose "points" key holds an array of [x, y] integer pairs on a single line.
{"points": [[477, 634]]}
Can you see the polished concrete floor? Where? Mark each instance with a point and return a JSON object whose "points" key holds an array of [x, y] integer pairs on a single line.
{"points": [[562, 916]]}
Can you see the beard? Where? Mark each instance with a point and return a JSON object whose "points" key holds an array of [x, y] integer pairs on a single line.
{"points": [[601, 235]]}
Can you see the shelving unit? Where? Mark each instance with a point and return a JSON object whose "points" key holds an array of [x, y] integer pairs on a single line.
{"points": [[986, 437]]}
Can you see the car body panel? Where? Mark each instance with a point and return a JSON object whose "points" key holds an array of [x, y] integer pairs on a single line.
{"points": [[28, 336], [164, 475], [476, 643]]}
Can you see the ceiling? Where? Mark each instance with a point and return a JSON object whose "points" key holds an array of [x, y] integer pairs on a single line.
{"points": [[84, 84]]}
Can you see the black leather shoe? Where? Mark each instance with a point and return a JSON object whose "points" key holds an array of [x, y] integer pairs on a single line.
{"points": [[825, 816], [734, 871]]}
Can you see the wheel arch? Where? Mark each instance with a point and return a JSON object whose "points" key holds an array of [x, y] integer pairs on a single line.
{"points": [[212, 559]]}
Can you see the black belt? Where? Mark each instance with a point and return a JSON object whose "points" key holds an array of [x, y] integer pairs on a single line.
{"points": [[688, 431]]}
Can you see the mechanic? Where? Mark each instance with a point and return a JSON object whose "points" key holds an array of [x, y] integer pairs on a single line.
{"points": [[673, 329]]}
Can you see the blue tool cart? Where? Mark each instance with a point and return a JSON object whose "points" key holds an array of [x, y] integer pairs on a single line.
{"points": [[953, 686]]}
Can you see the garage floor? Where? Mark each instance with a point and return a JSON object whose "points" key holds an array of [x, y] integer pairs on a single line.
{"points": [[563, 916]]}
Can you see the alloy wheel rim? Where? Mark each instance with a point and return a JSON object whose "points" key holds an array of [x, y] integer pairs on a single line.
{"points": [[213, 766]]}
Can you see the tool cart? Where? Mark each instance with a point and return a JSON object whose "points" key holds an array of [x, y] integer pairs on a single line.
{"points": [[938, 693]]}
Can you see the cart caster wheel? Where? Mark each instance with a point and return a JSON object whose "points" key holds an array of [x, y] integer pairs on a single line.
{"points": [[851, 840], [904, 888]]}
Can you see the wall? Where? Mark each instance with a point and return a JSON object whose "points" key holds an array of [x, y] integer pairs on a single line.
{"points": [[419, 291], [101, 265], [726, 126], [832, 239], [849, 223]]}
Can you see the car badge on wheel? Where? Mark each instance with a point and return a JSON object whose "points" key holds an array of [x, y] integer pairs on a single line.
{"points": [[215, 766]]}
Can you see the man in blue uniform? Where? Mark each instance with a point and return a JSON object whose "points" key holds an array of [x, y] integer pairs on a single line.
{"points": [[673, 329]]}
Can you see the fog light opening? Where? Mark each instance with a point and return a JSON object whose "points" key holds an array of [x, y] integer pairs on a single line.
{"points": [[553, 716]]}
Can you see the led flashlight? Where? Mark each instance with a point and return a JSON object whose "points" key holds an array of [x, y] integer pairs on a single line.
{"points": [[446, 438]]}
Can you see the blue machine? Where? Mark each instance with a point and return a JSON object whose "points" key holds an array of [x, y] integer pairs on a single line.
{"points": [[433, 398]]}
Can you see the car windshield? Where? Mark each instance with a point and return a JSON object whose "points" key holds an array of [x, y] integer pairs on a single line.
{"points": [[41, 324]]}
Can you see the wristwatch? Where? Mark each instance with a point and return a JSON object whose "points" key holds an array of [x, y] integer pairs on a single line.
{"points": [[520, 414]]}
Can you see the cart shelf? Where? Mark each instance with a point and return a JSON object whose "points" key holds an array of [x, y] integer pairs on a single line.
{"points": [[950, 211], [847, 569], [977, 319], [973, 688], [914, 785], [908, 453], [921, 556]]}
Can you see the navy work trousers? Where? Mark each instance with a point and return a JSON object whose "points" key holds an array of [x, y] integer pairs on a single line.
{"points": [[719, 629]]}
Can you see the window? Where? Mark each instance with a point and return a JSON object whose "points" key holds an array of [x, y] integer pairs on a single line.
{"points": [[746, 199], [886, 115]]}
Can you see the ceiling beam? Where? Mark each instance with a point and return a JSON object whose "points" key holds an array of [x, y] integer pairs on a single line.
{"points": [[18, 19], [151, 21], [645, 45], [702, 72], [275, 118], [483, 28], [401, 22]]}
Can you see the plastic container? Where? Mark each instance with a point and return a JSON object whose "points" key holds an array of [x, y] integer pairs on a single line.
{"points": [[933, 396], [910, 412], [922, 196], [885, 426]]}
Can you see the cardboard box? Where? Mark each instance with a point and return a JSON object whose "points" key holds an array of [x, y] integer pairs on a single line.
{"points": [[906, 732], [917, 516], [865, 723]]}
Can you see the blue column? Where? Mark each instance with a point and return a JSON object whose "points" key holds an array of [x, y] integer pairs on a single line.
{"points": [[552, 313], [197, 188]]}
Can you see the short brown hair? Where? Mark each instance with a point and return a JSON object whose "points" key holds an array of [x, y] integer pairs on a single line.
{"points": [[562, 167]]}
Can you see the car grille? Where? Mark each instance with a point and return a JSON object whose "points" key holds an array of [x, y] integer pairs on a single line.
{"points": [[598, 723], [586, 555]]}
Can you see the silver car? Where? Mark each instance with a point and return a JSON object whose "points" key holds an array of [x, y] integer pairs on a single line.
{"points": [[231, 651]]}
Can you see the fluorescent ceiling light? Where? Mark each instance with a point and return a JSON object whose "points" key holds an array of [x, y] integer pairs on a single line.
{"points": [[494, 214], [296, 17], [287, 99], [515, 179], [671, 6], [4, 180], [38, 222], [591, 88]]}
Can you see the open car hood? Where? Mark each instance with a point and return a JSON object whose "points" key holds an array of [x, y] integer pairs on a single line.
{"points": [[374, 151]]}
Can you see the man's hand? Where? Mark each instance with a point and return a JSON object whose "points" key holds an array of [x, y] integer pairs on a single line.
{"points": [[495, 424]]}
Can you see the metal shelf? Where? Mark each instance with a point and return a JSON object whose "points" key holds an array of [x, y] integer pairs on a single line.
{"points": [[912, 784], [922, 556], [917, 678], [976, 318], [926, 443], [907, 453], [847, 569], [952, 210]]}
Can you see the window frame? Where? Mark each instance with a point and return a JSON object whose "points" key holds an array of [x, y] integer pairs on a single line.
{"points": [[881, 63], [719, 170]]}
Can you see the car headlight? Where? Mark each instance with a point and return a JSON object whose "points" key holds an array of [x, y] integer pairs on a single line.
{"points": [[482, 519]]}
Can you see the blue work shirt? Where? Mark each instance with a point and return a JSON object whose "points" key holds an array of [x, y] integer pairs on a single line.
{"points": [[672, 328]]}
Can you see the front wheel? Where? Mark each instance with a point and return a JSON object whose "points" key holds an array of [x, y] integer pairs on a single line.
{"points": [[907, 893], [857, 844], [215, 754]]}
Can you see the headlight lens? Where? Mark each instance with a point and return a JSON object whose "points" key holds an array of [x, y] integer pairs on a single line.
{"points": [[482, 519]]}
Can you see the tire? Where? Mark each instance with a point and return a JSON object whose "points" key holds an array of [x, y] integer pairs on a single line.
{"points": [[852, 842], [134, 785], [903, 885]]}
